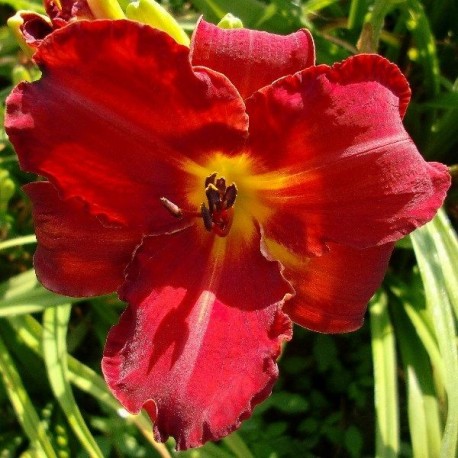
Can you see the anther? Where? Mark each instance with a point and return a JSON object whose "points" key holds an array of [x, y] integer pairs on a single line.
{"points": [[221, 185], [218, 216], [210, 179], [230, 195], [213, 198], [206, 217], [173, 209]]}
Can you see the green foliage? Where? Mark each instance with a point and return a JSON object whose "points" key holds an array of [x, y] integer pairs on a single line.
{"points": [[324, 402], [385, 366]]}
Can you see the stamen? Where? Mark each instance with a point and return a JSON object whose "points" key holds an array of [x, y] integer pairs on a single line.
{"points": [[176, 211], [210, 179], [230, 195], [207, 217], [221, 198], [221, 185], [173, 209], [218, 216], [213, 198]]}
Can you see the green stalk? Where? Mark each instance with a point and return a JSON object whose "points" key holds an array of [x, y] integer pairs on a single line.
{"points": [[237, 446], [370, 35]]}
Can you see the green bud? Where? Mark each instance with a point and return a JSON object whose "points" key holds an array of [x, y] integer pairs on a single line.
{"points": [[151, 13], [7, 189], [61, 441], [106, 9], [230, 22]]}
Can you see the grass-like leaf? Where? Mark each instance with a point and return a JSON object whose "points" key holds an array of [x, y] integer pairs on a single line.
{"points": [[358, 10], [435, 246], [23, 406], [33, 5], [423, 404], [55, 322], [444, 138], [24, 294], [423, 325], [426, 46], [235, 443], [370, 35], [385, 383], [249, 10], [18, 241], [31, 333]]}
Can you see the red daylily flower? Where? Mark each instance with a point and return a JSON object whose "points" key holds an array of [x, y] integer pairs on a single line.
{"points": [[210, 202]]}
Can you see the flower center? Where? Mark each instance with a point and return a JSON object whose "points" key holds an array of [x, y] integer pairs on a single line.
{"points": [[218, 215]]}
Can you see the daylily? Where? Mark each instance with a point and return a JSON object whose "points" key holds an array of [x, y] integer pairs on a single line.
{"points": [[215, 188]]}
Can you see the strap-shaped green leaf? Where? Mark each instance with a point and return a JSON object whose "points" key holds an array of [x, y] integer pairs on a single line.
{"points": [[436, 249], [236, 444], [423, 402], [25, 412], [24, 5], [385, 383], [426, 45], [24, 294], [30, 332], [55, 322], [422, 322]]}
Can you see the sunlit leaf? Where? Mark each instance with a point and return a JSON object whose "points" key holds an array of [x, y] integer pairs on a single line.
{"points": [[385, 383], [23, 406], [24, 294], [423, 404], [32, 5], [236, 444], [55, 322], [426, 51], [435, 246], [87, 380]]}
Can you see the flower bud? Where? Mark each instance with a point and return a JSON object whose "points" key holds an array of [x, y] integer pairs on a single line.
{"points": [[230, 22], [106, 9], [151, 13]]}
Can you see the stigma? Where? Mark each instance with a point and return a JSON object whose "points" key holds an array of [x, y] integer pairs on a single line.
{"points": [[217, 215]]}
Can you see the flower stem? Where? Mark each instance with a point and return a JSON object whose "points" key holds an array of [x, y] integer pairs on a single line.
{"points": [[372, 28]]}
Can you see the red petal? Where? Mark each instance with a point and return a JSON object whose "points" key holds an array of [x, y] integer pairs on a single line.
{"points": [[354, 175], [116, 112], [197, 345], [249, 58], [332, 291], [76, 255]]}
